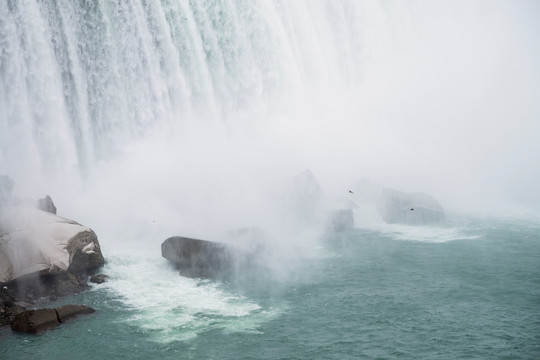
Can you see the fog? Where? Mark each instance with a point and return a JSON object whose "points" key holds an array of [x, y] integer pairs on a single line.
{"points": [[445, 101]]}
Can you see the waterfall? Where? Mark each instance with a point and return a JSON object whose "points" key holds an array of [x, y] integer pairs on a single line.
{"points": [[80, 80]]}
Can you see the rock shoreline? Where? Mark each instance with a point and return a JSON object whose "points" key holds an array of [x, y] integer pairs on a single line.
{"points": [[42, 257]]}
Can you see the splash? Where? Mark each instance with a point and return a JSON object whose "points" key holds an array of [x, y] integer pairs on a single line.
{"points": [[171, 308]]}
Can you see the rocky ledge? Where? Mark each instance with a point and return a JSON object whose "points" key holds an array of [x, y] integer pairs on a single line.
{"points": [[42, 256], [36, 321]]}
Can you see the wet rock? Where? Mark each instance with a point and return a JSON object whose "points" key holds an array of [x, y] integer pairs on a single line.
{"points": [[99, 278], [64, 284], [410, 208], [199, 258], [9, 308], [46, 204], [38, 320], [69, 311], [340, 220], [32, 287], [85, 253], [35, 321]]}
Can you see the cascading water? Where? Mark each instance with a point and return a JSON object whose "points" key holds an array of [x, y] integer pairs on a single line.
{"points": [[146, 119], [81, 78]]}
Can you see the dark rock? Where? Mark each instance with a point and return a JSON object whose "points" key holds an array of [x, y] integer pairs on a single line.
{"points": [[65, 284], [35, 321], [99, 278], [8, 307], [340, 220], [46, 204], [69, 311], [34, 286], [199, 258], [410, 208], [85, 253]]}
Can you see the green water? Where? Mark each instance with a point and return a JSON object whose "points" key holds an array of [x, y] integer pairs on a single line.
{"points": [[365, 294]]}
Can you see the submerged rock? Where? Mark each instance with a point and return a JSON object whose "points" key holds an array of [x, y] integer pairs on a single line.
{"points": [[99, 278], [410, 208]]}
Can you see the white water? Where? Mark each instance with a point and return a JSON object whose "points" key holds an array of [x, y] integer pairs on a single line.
{"points": [[146, 119], [166, 306]]}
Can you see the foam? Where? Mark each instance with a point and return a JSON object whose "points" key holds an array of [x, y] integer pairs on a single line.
{"points": [[170, 307]]}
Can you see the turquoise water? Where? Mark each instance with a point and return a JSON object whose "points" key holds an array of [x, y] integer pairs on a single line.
{"points": [[365, 294]]}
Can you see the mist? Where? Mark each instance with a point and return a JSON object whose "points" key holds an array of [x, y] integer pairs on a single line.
{"points": [[437, 97]]}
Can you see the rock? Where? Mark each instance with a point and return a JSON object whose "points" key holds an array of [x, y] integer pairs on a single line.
{"points": [[410, 208], [62, 284], [42, 256], [99, 278], [340, 220], [199, 258], [46, 204], [33, 241], [8, 307], [35, 321], [69, 311], [34, 286], [85, 253]]}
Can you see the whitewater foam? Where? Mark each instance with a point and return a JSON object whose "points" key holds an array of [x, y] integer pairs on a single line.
{"points": [[169, 307]]}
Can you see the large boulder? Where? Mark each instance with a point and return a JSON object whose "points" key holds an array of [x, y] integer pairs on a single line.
{"points": [[46, 204], [199, 258], [35, 321], [38, 320], [410, 208], [34, 241]]}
